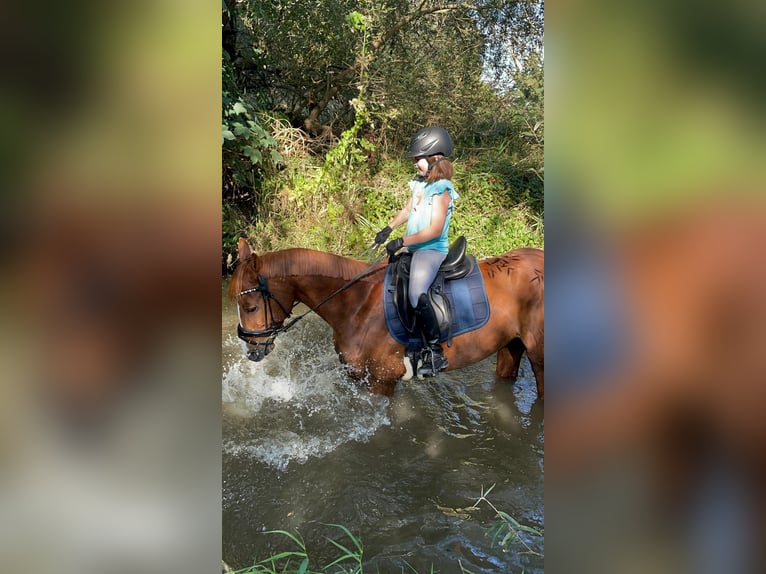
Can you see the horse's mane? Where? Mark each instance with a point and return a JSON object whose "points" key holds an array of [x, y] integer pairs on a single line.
{"points": [[299, 262]]}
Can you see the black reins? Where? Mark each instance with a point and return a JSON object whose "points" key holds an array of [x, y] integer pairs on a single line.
{"points": [[275, 329]]}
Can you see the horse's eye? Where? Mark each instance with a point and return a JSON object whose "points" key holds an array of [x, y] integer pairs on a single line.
{"points": [[251, 309]]}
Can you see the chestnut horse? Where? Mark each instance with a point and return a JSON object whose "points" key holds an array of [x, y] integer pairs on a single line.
{"points": [[267, 287]]}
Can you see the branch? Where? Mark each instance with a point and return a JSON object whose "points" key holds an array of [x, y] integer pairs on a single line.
{"points": [[348, 74], [409, 18]]}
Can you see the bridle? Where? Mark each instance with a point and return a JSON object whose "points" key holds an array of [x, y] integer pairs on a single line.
{"points": [[273, 328], [276, 327]]}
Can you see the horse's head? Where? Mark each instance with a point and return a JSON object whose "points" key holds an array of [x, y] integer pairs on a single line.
{"points": [[262, 304]]}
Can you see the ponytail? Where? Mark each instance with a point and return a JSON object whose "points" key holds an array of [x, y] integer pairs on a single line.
{"points": [[439, 167]]}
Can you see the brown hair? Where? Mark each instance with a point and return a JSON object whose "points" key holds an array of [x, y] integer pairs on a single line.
{"points": [[440, 167]]}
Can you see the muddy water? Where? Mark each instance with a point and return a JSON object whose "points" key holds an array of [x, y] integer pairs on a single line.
{"points": [[304, 448]]}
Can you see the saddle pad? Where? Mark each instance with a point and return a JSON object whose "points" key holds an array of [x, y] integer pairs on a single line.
{"points": [[467, 296]]}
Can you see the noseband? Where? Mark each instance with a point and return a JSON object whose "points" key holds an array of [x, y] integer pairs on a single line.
{"points": [[272, 329]]}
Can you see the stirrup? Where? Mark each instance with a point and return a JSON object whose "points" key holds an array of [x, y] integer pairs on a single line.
{"points": [[431, 363]]}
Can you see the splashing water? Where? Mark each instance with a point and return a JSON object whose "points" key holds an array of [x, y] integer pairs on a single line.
{"points": [[297, 403]]}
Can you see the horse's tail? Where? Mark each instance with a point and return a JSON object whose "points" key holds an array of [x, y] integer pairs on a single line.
{"points": [[536, 320]]}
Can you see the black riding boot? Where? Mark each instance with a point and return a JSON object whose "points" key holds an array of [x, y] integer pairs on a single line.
{"points": [[432, 357]]}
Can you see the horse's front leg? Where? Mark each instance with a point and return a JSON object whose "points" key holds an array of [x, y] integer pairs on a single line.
{"points": [[376, 359], [377, 382], [382, 387], [379, 370], [382, 373]]}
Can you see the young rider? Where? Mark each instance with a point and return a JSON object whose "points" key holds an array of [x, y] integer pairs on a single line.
{"points": [[427, 213]]}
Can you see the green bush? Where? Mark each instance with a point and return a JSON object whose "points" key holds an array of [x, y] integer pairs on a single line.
{"points": [[338, 203], [249, 153]]}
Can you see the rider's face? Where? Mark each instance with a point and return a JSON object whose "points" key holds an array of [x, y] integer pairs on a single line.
{"points": [[422, 165]]}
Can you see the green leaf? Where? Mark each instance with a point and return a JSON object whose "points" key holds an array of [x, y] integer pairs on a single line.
{"points": [[357, 21], [510, 537], [252, 153], [263, 134], [227, 135], [347, 553], [507, 517], [282, 555], [240, 129], [239, 108], [294, 537]]}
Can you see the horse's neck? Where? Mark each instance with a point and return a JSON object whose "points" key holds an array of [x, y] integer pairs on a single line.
{"points": [[315, 276], [313, 290]]}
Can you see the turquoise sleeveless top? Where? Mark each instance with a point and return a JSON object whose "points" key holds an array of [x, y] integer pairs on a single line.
{"points": [[423, 194]]}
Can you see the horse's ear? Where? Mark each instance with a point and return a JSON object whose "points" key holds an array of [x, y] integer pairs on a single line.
{"points": [[243, 250], [245, 254]]}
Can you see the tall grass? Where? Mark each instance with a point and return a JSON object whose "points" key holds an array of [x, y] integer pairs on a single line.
{"points": [[506, 532], [297, 561]]}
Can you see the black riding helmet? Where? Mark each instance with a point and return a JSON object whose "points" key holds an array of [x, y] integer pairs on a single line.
{"points": [[430, 141]]}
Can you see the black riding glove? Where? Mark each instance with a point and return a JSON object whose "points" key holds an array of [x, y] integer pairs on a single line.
{"points": [[382, 235], [394, 245]]}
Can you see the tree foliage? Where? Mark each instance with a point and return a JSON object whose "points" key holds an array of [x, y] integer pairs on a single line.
{"points": [[306, 59], [358, 77]]}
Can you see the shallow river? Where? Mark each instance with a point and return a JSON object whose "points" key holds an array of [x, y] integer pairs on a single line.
{"points": [[304, 448]]}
